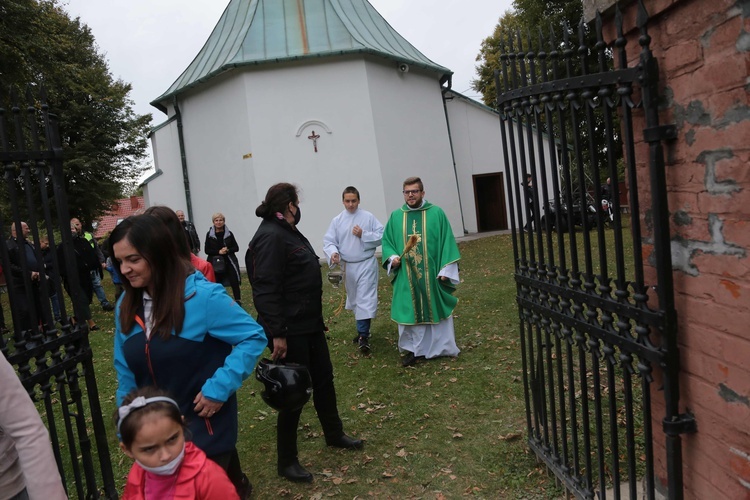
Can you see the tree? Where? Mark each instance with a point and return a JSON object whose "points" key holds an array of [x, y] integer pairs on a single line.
{"points": [[532, 20], [104, 141], [528, 17]]}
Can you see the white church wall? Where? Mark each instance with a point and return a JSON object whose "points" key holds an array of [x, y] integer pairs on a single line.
{"points": [[477, 146], [216, 134], [412, 136], [166, 150], [248, 130], [286, 104]]}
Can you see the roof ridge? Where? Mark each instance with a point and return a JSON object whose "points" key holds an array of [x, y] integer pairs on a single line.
{"points": [[253, 32]]}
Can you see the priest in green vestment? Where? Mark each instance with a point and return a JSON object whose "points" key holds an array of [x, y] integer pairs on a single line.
{"points": [[421, 256]]}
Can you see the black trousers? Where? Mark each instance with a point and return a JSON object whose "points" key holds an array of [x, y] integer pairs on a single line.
{"points": [[231, 276], [24, 308], [312, 351], [230, 462]]}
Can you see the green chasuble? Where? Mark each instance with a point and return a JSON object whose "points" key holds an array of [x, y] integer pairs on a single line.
{"points": [[418, 295]]}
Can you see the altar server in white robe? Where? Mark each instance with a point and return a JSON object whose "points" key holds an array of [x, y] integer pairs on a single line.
{"points": [[350, 242]]}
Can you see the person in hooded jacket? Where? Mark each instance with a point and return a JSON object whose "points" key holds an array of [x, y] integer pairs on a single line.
{"points": [[177, 331]]}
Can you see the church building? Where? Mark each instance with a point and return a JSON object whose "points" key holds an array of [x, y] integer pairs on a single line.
{"points": [[323, 94]]}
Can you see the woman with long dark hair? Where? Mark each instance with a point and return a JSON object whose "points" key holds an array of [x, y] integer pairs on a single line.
{"points": [[170, 219], [287, 292], [177, 331]]}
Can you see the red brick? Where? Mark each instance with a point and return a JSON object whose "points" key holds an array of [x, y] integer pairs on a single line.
{"points": [[735, 169], [692, 332], [737, 204], [720, 43], [739, 463], [725, 267], [697, 230], [684, 90], [720, 102], [712, 288], [706, 367], [724, 75], [725, 340], [684, 24], [704, 400], [690, 177], [705, 477], [737, 232], [709, 139], [737, 352], [682, 57]]}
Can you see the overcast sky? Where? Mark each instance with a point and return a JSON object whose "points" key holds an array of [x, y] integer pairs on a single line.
{"points": [[149, 43]]}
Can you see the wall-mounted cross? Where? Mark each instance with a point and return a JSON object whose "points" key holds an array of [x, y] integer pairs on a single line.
{"points": [[314, 137]]}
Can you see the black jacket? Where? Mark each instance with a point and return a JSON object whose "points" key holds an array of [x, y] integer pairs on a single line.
{"points": [[213, 245], [193, 240], [285, 276], [86, 261]]}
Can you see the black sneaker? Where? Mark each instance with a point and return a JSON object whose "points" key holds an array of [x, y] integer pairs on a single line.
{"points": [[364, 344], [107, 306], [355, 340]]}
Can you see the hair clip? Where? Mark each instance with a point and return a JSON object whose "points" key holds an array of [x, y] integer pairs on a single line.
{"points": [[140, 402]]}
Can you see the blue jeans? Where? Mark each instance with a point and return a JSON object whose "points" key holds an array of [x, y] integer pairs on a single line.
{"points": [[363, 327], [55, 306], [98, 290]]}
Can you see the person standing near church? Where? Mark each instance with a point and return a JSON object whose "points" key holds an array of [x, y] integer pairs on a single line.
{"points": [[421, 256], [351, 240], [18, 245], [98, 272], [221, 248], [190, 232]]}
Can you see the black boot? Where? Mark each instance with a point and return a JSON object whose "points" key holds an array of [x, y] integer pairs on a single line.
{"points": [[294, 472], [345, 442], [245, 489]]}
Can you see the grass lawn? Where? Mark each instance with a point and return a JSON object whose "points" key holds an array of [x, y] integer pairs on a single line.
{"points": [[442, 429]]}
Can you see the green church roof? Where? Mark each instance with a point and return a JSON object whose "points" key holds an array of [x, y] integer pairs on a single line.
{"points": [[253, 32]]}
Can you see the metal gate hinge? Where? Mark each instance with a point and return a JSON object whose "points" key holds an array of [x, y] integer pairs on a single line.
{"points": [[660, 133], [684, 423]]}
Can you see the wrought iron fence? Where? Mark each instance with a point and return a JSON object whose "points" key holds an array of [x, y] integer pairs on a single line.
{"points": [[52, 355], [593, 327]]}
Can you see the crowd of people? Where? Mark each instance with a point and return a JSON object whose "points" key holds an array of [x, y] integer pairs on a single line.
{"points": [[183, 346]]}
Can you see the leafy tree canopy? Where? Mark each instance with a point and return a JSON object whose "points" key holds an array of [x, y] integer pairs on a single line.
{"points": [[527, 17], [104, 141]]}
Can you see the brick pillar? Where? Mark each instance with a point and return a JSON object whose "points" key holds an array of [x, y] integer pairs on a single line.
{"points": [[703, 48]]}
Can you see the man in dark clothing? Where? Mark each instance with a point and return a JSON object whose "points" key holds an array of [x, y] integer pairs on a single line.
{"points": [[20, 300], [97, 272], [528, 190], [87, 262], [192, 235]]}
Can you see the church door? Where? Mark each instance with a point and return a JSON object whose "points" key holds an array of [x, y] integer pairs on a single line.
{"points": [[490, 202]]}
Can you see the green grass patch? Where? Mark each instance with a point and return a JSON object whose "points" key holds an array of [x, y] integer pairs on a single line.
{"points": [[442, 429]]}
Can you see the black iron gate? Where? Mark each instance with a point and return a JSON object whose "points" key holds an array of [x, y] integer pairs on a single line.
{"points": [[596, 324], [53, 358]]}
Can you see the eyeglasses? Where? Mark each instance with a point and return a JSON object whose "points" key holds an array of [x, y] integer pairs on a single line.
{"points": [[411, 191]]}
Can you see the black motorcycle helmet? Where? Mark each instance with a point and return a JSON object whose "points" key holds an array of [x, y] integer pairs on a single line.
{"points": [[287, 386]]}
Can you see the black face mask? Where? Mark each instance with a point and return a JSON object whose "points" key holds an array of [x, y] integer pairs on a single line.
{"points": [[298, 215]]}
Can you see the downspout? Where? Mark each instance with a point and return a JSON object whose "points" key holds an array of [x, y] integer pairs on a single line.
{"points": [[183, 158], [453, 155]]}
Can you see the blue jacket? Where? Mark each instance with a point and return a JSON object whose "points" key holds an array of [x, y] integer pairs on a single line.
{"points": [[216, 351]]}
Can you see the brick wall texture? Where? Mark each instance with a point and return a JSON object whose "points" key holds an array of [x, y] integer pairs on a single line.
{"points": [[703, 48]]}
